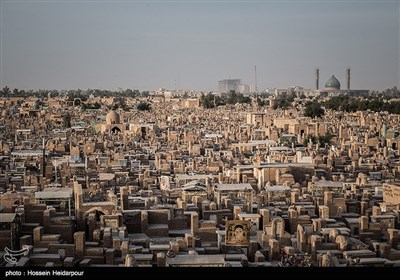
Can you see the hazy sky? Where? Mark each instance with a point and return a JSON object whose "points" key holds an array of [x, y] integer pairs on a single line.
{"points": [[192, 44]]}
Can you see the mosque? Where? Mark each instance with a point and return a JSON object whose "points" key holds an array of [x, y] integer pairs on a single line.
{"points": [[333, 86]]}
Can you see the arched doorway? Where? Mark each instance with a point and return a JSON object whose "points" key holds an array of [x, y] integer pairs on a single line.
{"points": [[116, 130], [77, 102], [93, 219], [15, 205]]}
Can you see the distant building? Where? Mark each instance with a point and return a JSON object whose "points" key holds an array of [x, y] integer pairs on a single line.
{"points": [[333, 87], [228, 85], [253, 88], [190, 103], [242, 88]]}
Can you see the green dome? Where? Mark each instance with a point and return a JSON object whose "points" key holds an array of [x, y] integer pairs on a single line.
{"points": [[332, 83]]}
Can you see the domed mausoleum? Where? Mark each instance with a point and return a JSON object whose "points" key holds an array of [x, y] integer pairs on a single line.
{"points": [[113, 123], [112, 118]]}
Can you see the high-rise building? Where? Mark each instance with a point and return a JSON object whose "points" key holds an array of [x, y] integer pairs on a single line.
{"points": [[242, 88], [228, 84]]}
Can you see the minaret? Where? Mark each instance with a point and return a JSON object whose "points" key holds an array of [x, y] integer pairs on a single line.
{"points": [[317, 78], [348, 77]]}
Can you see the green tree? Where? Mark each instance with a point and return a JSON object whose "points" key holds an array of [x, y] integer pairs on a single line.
{"points": [[234, 97], [207, 101], [96, 105], [143, 106], [313, 110], [325, 140], [310, 138], [67, 120], [284, 101], [260, 102], [36, 105], [6, 91]]}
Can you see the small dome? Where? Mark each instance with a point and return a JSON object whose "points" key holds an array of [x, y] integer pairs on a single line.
{"points": [[332, 83], [112, 118]]}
